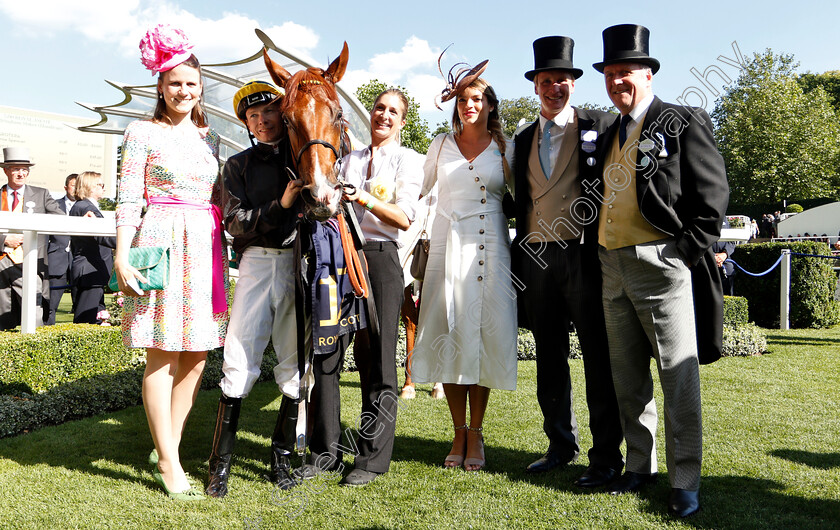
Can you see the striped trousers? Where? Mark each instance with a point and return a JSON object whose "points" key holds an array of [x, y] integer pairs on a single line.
{"points": [[649, 312]]}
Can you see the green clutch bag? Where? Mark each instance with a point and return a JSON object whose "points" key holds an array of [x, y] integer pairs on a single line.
{"points": [[152, 262]]}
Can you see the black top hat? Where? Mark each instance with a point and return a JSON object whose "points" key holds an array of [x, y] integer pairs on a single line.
{"points": [[627, 43], [553, 53]]}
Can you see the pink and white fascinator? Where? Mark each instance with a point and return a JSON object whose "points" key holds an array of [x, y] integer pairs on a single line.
{"points": [[163, 48]]}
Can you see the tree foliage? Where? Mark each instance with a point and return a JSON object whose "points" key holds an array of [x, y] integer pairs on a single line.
{"points": [[512, 111], [415, 133], [778, 141], [829, 81], [594, 106], [442, 128]]}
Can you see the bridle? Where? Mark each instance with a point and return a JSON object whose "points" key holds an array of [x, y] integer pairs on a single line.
{"points": [[355, 262], [339, 153]]}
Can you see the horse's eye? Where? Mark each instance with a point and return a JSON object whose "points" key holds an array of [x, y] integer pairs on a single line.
{"points": [[338, 116]]}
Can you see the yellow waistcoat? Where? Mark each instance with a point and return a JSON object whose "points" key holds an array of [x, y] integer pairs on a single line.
{"points": [[621, 223]]}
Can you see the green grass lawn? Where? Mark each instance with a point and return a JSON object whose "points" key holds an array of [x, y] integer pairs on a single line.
{"points": [[772, 460]]}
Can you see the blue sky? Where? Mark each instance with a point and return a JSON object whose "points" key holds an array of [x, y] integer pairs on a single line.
{"points": [[56, 52]]}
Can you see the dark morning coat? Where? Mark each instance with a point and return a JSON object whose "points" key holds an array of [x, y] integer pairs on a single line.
{"points": [[92, 256], [59, 257], [596, 120], [682, 191]]}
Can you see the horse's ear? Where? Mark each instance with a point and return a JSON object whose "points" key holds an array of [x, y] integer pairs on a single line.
{"points": [[279, 74], [336, 70]]}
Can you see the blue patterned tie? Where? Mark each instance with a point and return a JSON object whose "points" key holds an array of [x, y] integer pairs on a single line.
{"points": [[622, 130], [545, 150]]}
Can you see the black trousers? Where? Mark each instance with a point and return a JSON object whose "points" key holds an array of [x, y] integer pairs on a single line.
{"points": [[89, 302], [58, 284], [568, 290], [325, 444], [376, 359]]}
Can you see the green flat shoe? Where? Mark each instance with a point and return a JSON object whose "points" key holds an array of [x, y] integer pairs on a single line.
{"points": [[191, 494], [153, 458]]}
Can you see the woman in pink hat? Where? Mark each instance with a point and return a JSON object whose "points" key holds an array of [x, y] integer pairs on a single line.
{"points": [[170, 165]]}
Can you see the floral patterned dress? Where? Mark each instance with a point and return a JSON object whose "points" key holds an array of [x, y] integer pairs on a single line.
{"points": [[161, 162]]}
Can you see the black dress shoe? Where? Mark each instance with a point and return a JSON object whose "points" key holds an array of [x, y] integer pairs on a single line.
{"points": [[547, 462], [683, 503], [358, 477], [630, 481], [308, 471], [596, 476]]}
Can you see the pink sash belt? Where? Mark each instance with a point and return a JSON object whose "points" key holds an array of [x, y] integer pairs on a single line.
{"points": [[219, 294]]}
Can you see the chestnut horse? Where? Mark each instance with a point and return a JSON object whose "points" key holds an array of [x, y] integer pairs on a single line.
{"points": [[312, 115]]}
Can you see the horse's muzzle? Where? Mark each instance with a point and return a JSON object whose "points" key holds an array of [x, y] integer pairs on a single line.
{"points": [[320, 209]]}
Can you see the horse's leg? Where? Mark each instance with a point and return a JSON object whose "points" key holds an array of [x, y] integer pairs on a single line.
{"points": [[410, 313]]}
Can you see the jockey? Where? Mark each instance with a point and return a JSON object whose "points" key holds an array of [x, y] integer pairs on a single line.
{"points": [[261, 208]]}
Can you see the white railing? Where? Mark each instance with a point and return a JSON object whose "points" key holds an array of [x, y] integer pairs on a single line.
{"points": [[33, 224]]}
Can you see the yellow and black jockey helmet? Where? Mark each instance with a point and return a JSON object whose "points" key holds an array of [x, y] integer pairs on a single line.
{"points": [[254, 93]]}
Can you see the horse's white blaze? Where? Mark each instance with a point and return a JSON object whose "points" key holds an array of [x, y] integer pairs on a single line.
{"points": [[321, 188]]}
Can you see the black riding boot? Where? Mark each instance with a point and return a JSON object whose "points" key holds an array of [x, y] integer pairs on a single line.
{"points": [[224, 437], [283, 444]]}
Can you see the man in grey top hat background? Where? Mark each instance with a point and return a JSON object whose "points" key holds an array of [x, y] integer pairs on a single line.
{"points": [[17, 196], [555, 255], [664, 197]]}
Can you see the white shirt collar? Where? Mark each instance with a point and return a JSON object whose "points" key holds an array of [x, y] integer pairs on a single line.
{"points": [[9, 191], [562, 118], [641, 108], [385, 149]]}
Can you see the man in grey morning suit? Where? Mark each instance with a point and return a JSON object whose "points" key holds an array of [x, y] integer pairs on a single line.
{"points": [[17, 196], [555, 255], [664, 197]]}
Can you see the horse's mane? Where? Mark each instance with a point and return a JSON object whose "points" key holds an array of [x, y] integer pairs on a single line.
{"points": [[310, 81]]}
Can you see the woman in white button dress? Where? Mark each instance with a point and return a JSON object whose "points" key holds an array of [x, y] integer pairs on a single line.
{"points": [[467, 330]]}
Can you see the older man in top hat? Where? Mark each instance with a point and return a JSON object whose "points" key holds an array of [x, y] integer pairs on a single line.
{"points": [[664, 197], [555, 255], [17, 196]]}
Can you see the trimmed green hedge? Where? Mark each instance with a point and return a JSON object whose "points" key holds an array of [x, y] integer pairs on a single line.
{"points": [[743, 340], [812, 285], [79, 399], [69, 387], [735, 311], [526, 349], [54, 355]]}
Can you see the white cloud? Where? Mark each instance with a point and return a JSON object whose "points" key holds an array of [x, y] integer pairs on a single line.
{"points": [[423, 88], [229, 37], [414, 67], [414, 54], [96, 19]]}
